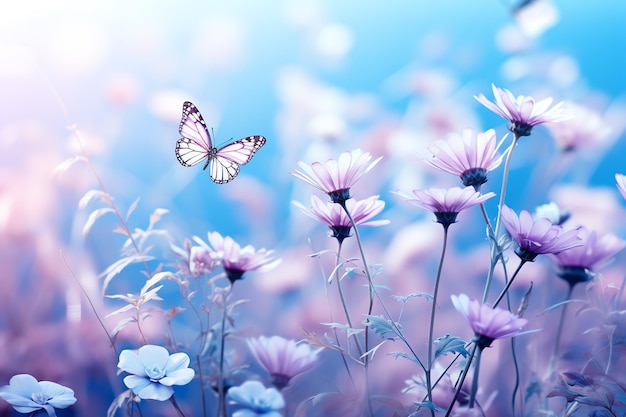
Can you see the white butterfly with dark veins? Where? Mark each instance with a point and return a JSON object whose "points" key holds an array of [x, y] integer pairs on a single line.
{"points": [[196, 146]]}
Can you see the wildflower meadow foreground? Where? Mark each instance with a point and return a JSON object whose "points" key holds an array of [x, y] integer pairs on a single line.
{"points": [[390, 270]]}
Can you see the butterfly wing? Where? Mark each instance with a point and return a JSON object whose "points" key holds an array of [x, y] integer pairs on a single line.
{"points": [[195, 145], [223, 170], [225, 163]]}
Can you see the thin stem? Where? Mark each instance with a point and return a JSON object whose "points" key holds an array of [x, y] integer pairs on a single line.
{"points": [[495, 248], [202, 395], [175, 404], [472, 398], [110, 201], [508, 284], [369, 308], [221, 403], [559, 332], [343, 299], [432, 316], [345, 308], [517, 376], [367, 274], [459, 386], [93, 307], [143, 337]]}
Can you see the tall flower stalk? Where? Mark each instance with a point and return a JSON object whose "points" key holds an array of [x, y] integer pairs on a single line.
{"points": [[446, 205], [489, 324], [236, 262], [579, 265], [335, 178], [523, 114]]}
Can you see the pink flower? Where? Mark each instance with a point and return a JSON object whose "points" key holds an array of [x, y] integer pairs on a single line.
{"points": [[488, 323], [237, 260], [535, 237], [585, 129], [283, 359], [335, 177], [201, 261], [448, 203], [335, 217], [522, 112], [469, 156], [578, 264], [621, 183]]}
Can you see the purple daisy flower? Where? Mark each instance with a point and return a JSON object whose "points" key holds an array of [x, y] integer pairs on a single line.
{"points": [[446, 204], [335, 177], [535, 237], [470, 156], [335, 217], [488, 323], [621, 183], [585, 129], [522, 112], [578, 264], [237, 260], [282, 358]]}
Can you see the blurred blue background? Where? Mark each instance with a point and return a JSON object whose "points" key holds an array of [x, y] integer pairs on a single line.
{"points": [[316, 78]]}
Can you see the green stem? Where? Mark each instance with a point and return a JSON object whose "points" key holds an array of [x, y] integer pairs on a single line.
{"points": [[495, 247], [432, 317]]}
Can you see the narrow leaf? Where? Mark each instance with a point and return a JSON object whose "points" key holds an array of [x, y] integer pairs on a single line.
{"points": [[60, 169], [89, 195], [93, 216], [118, 266], [156, 278], [118, 403], [156, 216], [121, 325], [120, 310], [132, 208]]}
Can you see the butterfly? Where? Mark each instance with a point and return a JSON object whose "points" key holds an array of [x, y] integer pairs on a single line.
{"points": [[196, 146]]}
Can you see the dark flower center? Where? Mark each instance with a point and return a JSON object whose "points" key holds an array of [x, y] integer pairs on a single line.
{"points": [[521, 129], [340, 232], [575, 274], [474, 177], [340, 196], [483, 341], [280, 381], [526, 254], [446, 218], [233, 274]]}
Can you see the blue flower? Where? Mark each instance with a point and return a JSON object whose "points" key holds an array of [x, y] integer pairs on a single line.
{"points": [[153, 371], [256, 400], [27, 395]]}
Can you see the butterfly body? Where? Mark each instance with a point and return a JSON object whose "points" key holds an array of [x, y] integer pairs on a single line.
{"points": [[196, 146]]}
